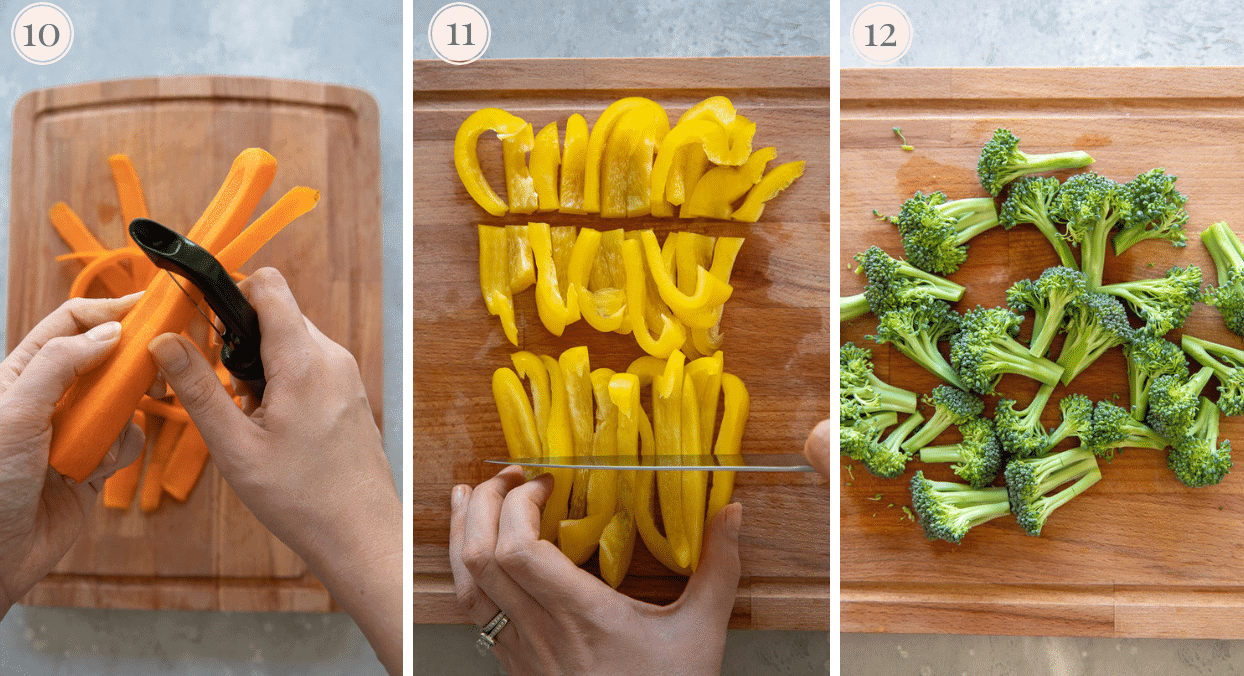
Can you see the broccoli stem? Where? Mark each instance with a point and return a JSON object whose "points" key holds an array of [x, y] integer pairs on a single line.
{"points": [[973, 215], [1129, 237], [977, 514], [892, 397], [1078, 355], [1046, 325], [1093, 253], [1015, 359], [941, 420], [850, 307], [1066, 256], [1225, 248], [926, 354], [1071, 159], [947, 453]]}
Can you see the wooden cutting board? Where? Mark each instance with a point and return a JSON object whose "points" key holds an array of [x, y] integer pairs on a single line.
{"points": [[1139, 554], [776, 323], [182, 135]]}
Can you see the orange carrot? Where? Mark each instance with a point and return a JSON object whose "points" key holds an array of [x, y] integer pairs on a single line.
{"points": [[185, 465], [98, 405], [120, 488], [292, 204], [117, 281], [133, 205], [103, 267], [163, 409], [161, 451]]}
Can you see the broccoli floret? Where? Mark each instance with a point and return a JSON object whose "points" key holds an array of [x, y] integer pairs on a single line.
{"points": [[894, 283], [854, 434], [862, 393], [1157, 211], [1002, 161], [1228, 365], [951, 406], [1199, 459], [884, 458], [1020, 432], [1092, 205], [1028, 481], [1228, 254], [948, 510], [1057, 289], [1096, 322], [985, 349], [936, 230], [1150, 356], [916, 329], [1164, 303], [978, 457], [1077, 421], [1032, 199], [1113, 427], [1174, 401]]}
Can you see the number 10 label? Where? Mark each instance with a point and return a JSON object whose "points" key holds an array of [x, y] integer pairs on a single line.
{"points": [[42, 33], [881, 33], [459, 33]]}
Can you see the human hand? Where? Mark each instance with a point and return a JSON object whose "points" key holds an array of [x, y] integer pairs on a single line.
{"points": [[42, 512], [819, 447], [563, 620], [308, 461]]}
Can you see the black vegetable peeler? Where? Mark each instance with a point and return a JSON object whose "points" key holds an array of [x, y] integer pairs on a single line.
{"points": [[171, 251]]}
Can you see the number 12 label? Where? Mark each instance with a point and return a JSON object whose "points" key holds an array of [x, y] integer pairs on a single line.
{"points": [[881, 33]]}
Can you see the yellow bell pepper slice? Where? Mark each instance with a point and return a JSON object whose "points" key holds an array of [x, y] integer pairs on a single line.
{"points": [[522, 266], [518, 421], [644, 306], [717, 108], [467, 162], [694, 493], [519, 185], [494, 279], [645, 520], [559, 443], [554, 304], [691, 252], [579, 538], [596, 146], [529, 365], [545, 157], [603, 303], [721, 187], [577, 377], [773, 183], [690, 163], [617, 541], [667, 412], [574, 160], [736, 404], [725, 252], [710, 291], [627, 165], [708, 134]]}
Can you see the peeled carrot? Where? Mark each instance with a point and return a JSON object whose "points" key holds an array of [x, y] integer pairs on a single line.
{"points": [[292, 204], [117, 281], [103, 267], [184, 466], [133, 205], [161, 451], [98, 405], [120, 488]]}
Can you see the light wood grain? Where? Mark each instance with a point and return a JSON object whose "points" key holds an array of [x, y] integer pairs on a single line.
{"points": [[776, 323], [182, 135], [1139, 554]]}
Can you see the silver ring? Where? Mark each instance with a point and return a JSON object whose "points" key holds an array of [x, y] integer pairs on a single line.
{"points": [[488, 635]]}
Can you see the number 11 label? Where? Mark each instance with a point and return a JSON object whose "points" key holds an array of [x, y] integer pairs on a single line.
{"points": [[459, 33], [881, 33]]}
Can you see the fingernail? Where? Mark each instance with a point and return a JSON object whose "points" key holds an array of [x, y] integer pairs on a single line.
{"points": [[734, 520], [457, 497], [169, 354], [104, 332]]}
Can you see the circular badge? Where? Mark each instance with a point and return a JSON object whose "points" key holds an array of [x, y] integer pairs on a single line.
{"points": [[881, 33], [42, 33], [459, 33]]}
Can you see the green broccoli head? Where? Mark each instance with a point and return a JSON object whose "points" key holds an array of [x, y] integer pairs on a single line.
{"points": [[1054, 292], [916, 329], [951, 406], [862, 393], [1020, 433], [948, 510], [883, 457], [977, 458], [1174, 403], [1149, 356], [1030, 480], [1113, 428], [1096, 322], [1092, 205], [1163, 303], [1228, 254], [1157, 211], [1001, 161], [894, 283], [1228, 365], [985, 349], [1077, 411], [935, 230], [1200, 459]]}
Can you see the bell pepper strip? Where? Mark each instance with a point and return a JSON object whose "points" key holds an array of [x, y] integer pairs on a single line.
{"points": [[520, 188], [98, 405], [769, 186], [710, 291], [574, 160], [691, 162], [522, 267], [120, 488], [545, 157], [528, 365], [559, 443], [185, 465], [721, 187], [518, 420], [617, 541], [554, 304], [616, 167], [577, 378], [467, 162], [603, 303], [696, 166], [718, 108], [667, 397], [645, 520], [579, 538], [152, 488], [116, 280], [644, 306], [691, 252], [133, 205], [694, 484], [725, 252], [707, 134], [593, 166], [494, 278], [736, 404], [639, 174], [705, 374]]}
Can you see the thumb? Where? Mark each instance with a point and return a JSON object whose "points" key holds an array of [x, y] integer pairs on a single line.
{"points": [[817, 448], [709, 596], [199, 390]]}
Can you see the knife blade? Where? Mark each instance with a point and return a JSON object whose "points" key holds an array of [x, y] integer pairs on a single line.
{"points": [[747, 462]]}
